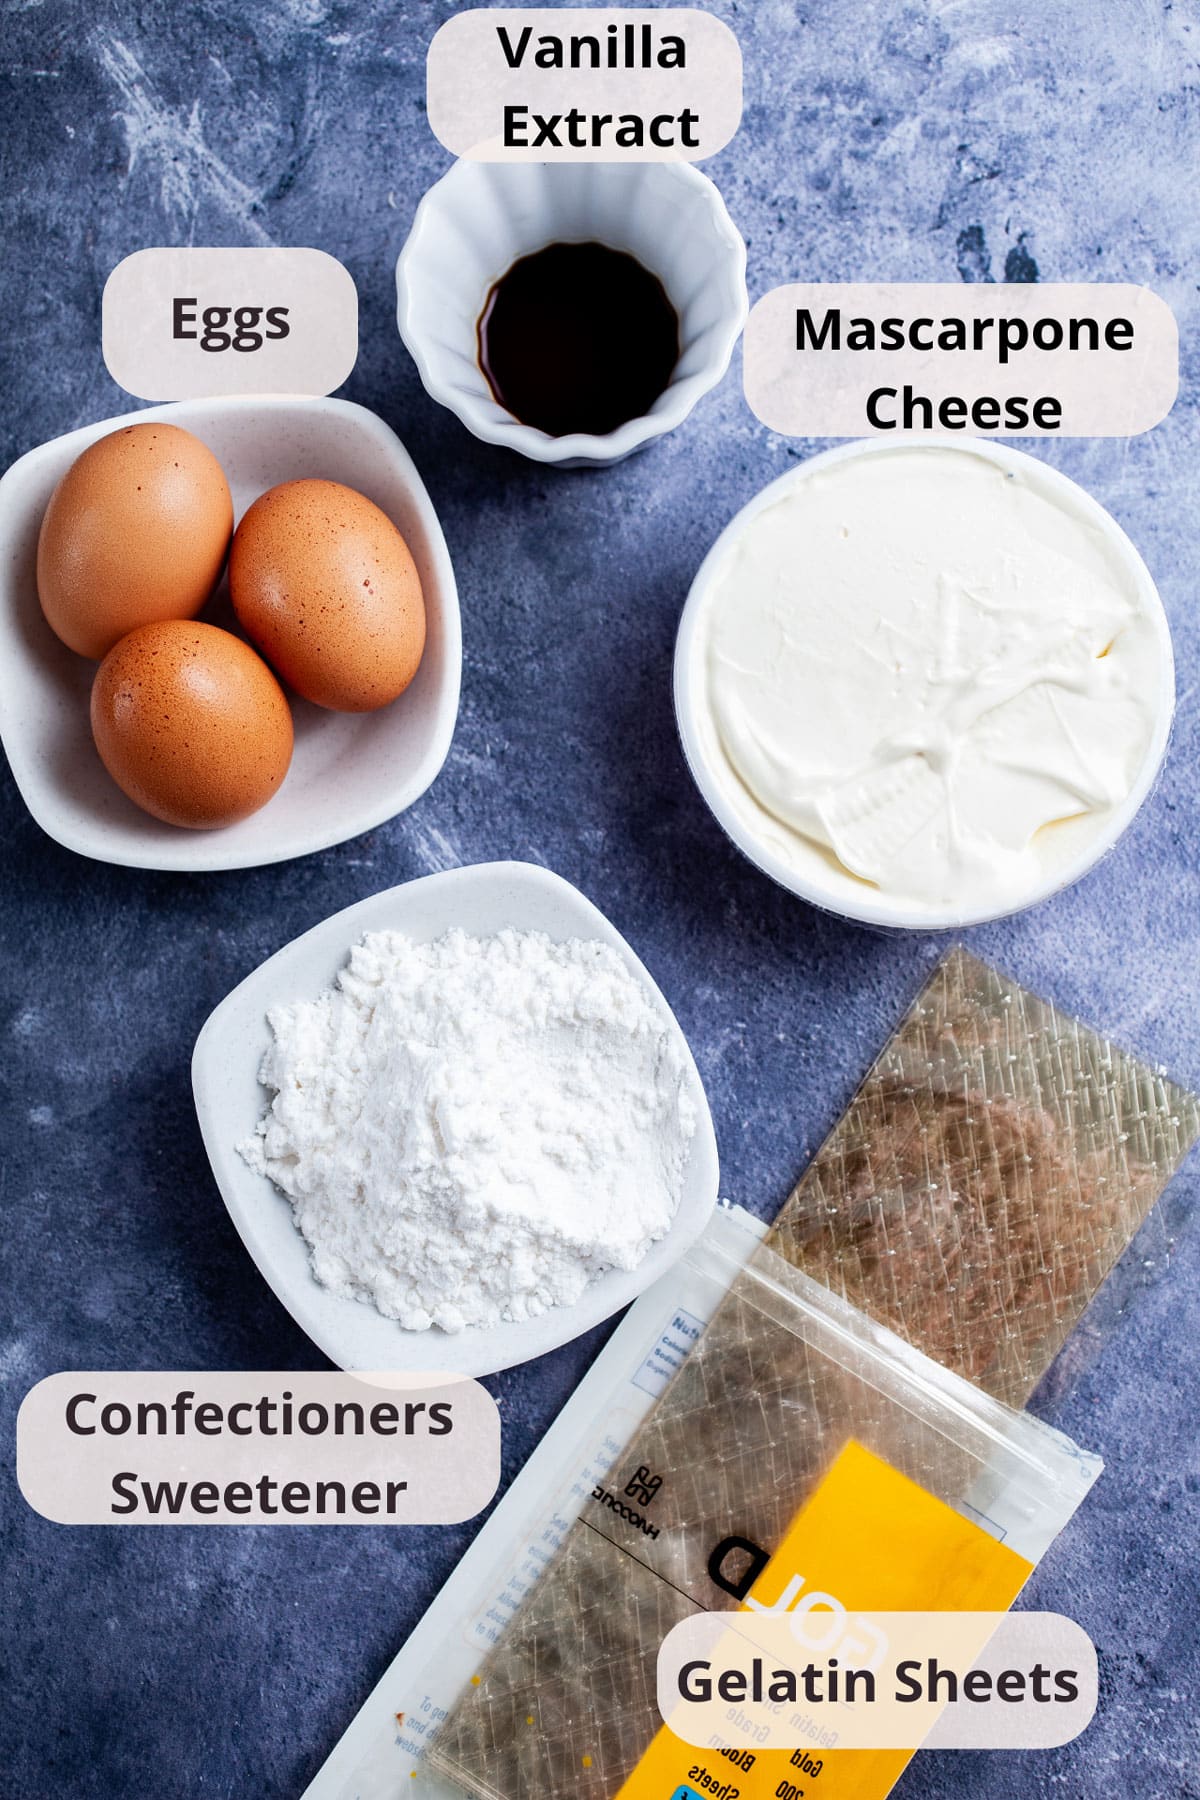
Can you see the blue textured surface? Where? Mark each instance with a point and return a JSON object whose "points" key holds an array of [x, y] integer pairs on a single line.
{"points": [[902, 140]]}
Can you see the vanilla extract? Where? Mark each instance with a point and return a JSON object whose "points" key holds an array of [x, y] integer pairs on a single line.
{"points": [[578, 338]]}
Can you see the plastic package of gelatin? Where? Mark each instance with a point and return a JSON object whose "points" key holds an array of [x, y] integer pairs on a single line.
{"points": [[790, 1394], [987, 1176], [983, 1182]]}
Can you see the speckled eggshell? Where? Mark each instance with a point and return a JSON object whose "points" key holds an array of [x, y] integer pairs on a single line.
{"points": [[136, 530], [191, 724], [325, 585]]}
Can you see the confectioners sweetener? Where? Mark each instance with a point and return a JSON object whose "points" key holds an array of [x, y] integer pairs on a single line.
{"points": [[470, 1130]]}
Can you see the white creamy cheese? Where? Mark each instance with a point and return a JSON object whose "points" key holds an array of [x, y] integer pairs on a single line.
{"points": [[929, 673]]}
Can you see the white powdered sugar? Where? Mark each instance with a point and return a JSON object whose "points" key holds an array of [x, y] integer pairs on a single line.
{"points": [[471, 1130]]}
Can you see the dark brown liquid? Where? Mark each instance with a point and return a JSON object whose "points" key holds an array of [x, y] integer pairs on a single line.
{"points": [[578, 337]]}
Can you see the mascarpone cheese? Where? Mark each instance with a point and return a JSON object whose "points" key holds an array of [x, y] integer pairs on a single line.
{"points": [[928, 672]]}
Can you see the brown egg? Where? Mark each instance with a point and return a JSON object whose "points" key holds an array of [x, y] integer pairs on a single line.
{"points": [[327, 588], [191, 723], [136, 530]]}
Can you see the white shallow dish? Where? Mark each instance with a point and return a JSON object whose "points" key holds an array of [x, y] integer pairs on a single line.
{"points": [[482, 899], [872, 907], [349, 771], [480, 218]]}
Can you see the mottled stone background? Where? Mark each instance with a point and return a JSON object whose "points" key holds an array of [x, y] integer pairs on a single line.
{"points": [[936, 140]]}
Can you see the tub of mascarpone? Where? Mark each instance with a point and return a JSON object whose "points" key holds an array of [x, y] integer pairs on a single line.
{"points": [[924, 683]]}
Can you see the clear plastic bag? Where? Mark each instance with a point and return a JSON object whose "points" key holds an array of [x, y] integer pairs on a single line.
{"points": [[786, 1377], [988, 1174]]}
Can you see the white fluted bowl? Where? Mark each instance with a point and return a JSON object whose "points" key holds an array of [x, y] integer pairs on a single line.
{"points": [[480, 218]]}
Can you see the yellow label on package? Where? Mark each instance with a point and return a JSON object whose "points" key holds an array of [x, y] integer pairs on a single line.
{"points": [[867, 1540]]}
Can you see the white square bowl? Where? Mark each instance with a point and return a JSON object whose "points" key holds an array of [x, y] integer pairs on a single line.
{"points": [[482, 899], [350, 771]]}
